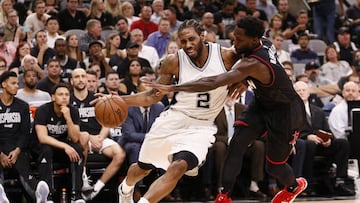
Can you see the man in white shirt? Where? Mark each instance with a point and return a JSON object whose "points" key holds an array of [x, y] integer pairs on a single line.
{"points": [[36, 21]]}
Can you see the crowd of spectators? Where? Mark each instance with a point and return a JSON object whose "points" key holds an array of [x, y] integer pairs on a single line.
{"points": [[116, 42]]}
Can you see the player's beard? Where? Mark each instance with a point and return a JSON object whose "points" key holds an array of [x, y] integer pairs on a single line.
{"points": [[80, 88]]}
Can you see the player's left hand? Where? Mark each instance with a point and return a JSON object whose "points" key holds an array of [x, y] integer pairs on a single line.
{"points": [[235, 90], [13, 155]]}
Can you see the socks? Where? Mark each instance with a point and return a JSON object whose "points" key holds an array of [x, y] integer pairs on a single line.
{"points": [[254, 186], [126, 188], [143, 200], [84, 176], [98, 185]]}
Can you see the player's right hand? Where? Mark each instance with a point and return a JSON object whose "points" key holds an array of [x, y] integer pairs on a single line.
{"points": [[73, 155]]}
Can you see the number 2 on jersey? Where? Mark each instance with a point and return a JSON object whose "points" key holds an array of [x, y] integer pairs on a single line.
{"points": [[203, 100]]}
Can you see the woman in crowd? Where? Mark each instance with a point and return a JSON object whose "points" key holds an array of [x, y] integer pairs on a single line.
{"points": [[97, 11], [128, 11], [22, 49], [274, 26], [131, 82], [334, 68], [113, 7], [73, 50], [112, 44]]}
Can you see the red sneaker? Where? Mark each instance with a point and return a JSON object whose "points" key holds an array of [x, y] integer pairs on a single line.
{"points": [[223, 198], [285, 196]]}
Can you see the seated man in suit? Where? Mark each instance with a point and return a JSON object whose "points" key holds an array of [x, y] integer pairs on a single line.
{"points": [[136, 125], [335, 149], [255, 151]]}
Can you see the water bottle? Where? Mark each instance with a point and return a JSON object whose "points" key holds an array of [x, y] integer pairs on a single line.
{"points": [[63, 196]]}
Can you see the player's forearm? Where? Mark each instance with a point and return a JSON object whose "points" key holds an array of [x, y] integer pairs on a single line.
{"points": [[143, 99], [73, 132], [201, 85]]}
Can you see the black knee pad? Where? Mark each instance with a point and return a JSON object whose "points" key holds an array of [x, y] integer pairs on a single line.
{"points": [[146, 166], [189, 157]]}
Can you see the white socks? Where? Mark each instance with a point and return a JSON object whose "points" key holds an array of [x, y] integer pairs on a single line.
{"points": [[143, 200], [126, 188], [98, 185], [254, 186]]}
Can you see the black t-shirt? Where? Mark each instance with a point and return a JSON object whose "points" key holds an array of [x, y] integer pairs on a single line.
{"points": [[14, 125], [56, 126], [88, 120]]}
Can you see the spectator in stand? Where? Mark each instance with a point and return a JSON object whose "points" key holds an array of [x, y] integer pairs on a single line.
{"points": [[268, 7], [312, 70], [207, 22], [288, 20], [145, 51], [170, 13], [289, 69], [131, 82], [73, 50], [12, 28], [324, 13], [92, 81], [93, 137], [158, 11], [334, 68], [337, 150], [93, 28], [5, 6], [7, 49], [51, 7], [354, 76], [252, 10], [128, 12], [239, 13], [224, 17], [24, 48], [72, 18], [67, 64], [96, 68], [98, 12], [14, 143], [144, 23], [30, 94], [180, 8], [36, 21], [304, 54], [96, 56], [124, 33], [344, 45], [338, 119], [113, 7], [27, 63], [58, 131], [112, 46], [354, 14], [277, 40], [160, 38], [274, 26], [3, 66], [41, 50], [301, 26], [52, 28], [54, 76], [132, 52], [112, 84]]}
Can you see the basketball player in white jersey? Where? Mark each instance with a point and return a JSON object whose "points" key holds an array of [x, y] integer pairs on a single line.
{"points": [[179, 139]]}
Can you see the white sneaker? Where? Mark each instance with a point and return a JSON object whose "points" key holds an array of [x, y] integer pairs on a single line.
{"points": [[90, 194], [42, 192], [3, 198], [78, 201], [86, 183], [125, 198]]}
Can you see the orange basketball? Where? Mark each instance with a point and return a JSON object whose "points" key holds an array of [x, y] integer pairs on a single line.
{"points": [[111, 111]]}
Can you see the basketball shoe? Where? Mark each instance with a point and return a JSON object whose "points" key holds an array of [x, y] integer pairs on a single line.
{"points": [[3, 198], [125, 198], [285, 196], [223, 198]]}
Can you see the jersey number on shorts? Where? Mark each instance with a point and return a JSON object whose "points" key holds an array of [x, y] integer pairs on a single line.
{"points": [[203, 100]]}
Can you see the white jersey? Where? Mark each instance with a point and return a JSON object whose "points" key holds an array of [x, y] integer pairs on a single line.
{"points": [[201, 105]]}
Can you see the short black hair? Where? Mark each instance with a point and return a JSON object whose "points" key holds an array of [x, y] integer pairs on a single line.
{"points": [[191, 23], [253, 26], [59, 85], [6, 75]]}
